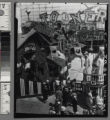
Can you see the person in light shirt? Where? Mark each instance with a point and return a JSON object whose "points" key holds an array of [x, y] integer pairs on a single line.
{"points": [[77, 65], [87, 69], [99, 102], [98, 62]]}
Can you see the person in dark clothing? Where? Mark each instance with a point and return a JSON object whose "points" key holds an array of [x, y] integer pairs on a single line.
{"points": [[17, 81], [48, 86], [57, 84], [65, 96], [74, 102], [44, 91], [52, 109], [59, 94], [26, 76], [52, 81], [58, 105], [33, 74]]}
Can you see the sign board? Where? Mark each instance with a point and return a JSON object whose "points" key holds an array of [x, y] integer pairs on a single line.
{"points": [[5, 11]]}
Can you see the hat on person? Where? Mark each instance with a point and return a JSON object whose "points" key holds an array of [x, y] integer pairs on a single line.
{"points": [[86, 53]]}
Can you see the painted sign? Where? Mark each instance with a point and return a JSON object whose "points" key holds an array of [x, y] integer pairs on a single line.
{"points": [[87, 17]]}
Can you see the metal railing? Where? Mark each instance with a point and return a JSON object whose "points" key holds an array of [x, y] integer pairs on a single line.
{"points": [[94, 78]]}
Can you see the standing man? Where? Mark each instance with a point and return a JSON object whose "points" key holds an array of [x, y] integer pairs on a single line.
{"points": [[44, 91], [74, 102], [77, 65]]}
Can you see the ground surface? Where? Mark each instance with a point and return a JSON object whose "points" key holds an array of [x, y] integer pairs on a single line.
{"points": [[36, 106]]}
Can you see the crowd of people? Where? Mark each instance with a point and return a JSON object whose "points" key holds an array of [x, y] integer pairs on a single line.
{"points": [[66, 99], [62, 87], [59, 78]]}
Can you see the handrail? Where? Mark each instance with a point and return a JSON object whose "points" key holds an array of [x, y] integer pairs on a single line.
{"points": [[5, 82]]}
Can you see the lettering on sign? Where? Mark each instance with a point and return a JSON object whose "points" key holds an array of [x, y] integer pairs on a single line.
{"points": [[53, 16], [90, 16], [101, 16], [43, 17], [76, 18], [65, 17]]}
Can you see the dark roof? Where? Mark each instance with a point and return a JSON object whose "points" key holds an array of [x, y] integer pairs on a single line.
{"points": [[34, 36]]}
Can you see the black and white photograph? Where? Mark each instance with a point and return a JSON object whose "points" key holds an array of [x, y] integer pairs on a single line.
{"points": [[61, 55], [5, 29]]}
